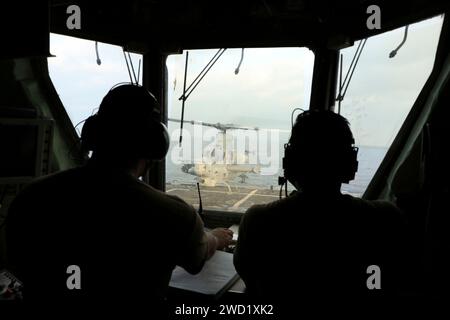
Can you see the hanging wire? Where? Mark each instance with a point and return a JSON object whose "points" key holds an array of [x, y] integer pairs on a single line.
{"points": [[99, 62], [405, 36], [240, 62]]}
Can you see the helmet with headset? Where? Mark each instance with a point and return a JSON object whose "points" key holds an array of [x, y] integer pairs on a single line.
{"points": [[127, 125], [321, 144]]}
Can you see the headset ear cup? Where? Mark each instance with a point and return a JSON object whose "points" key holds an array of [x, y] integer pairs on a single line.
{"points": [[354, 162], [89, 134], [287, 162], [162, 146], [156, 144], [350, 167]]}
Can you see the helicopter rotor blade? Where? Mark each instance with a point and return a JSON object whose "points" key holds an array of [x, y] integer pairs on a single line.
{"points": [[218, 126]]}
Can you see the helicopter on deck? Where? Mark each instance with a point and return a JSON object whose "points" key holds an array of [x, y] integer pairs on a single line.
{"points": [[222, 160]]}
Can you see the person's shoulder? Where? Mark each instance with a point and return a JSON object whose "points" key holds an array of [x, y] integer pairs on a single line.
{"points": [[54, 180], [378, 205], [40, 190], [161, 199], [381, 210], [175, 201], [268, 210]]}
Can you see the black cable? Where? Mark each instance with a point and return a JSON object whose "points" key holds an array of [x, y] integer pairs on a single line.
{"points": [[236, 71], [184, 97], [405, 36], [76, 126], [200, 205], [350, 71], [128, 67], [139, 71], [340, 83], [292, 115], [201, 72], [132, 68], [351, 64], [285, 189], [204, 74], [354, 68], [99, 62], [194, 84]]}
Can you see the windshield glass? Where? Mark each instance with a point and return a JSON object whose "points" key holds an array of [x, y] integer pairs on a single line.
{"points": [[236, 123]]}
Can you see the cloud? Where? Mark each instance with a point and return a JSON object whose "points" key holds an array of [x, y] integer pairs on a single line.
{"points": [[79, 81], [271, 82]]}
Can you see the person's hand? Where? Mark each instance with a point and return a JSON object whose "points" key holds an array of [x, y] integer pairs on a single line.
{"points": [[224, 237]]}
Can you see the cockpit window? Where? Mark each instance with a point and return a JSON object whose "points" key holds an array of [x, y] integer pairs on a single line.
{"points": [[83, 72], [383, 89], [236, 123]]}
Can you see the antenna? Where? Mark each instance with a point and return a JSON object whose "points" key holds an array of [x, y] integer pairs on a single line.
{"points": [[200, 205]]}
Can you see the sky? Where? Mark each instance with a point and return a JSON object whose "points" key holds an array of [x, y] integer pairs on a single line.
{"points": [[270, 84]]}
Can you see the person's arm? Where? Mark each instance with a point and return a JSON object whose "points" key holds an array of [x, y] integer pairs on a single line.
{"points": [[202, 245], [242, 253], [218, 239], [249, 252]]}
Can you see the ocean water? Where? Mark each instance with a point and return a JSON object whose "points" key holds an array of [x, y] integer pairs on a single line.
{"points": [[369, 160]]}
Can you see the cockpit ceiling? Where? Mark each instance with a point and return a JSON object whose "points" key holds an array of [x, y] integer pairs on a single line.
{"points": [[176, 24]]}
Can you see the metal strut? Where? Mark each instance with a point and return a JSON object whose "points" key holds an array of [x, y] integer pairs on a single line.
{"points": [[349, 75], [188, 91]]}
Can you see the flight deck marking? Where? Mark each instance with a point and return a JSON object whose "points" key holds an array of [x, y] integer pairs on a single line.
{"points": [[176, 189], [237, 204], [225, 192]]}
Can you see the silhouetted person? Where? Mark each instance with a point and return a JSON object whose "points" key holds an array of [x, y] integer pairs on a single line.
{"points": [[317, 243], [125, 236]]}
